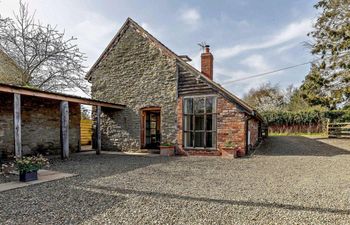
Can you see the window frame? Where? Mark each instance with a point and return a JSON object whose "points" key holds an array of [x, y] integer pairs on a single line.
{"points": [[193, 132]]}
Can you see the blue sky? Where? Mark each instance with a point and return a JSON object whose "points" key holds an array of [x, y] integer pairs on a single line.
{"points": [[246, 36]]}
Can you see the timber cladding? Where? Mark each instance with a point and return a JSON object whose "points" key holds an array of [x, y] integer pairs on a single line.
{"points": [[40, 125]]}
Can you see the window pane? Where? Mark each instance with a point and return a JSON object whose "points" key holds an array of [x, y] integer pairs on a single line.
{"points": [[188, 136], [188, 106], [188, 123], [199, 122], [198, 104], [209, 105], [210, 139], [211, 122], [199, 139]]}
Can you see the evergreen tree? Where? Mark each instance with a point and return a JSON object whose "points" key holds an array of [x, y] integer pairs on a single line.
{"points": [[331, 78]]}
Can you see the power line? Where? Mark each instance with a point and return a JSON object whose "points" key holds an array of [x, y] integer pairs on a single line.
{"points": [[275, 71], [269, 72]]}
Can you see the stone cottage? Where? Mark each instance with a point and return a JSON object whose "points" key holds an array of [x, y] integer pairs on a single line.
{"points": [[167, 100]]}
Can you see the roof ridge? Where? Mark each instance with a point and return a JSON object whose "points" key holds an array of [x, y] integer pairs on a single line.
{"points": [[150, 36]]}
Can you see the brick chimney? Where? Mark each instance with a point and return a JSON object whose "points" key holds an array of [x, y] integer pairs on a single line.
{"points": [[207, 60]]}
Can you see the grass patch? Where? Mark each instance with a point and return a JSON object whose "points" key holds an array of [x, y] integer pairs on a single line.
{"points": [[299, 134]]}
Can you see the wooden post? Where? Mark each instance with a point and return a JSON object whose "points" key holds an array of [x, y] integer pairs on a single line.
{"points": [[98, 129], [64, 108], [17, 120]]}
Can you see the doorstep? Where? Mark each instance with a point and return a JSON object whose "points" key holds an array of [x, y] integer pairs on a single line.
{"points": [[43, 176]]}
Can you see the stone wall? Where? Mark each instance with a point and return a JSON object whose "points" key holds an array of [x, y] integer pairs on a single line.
{"points": [[137, 73], [10, 73], [40, 125]]}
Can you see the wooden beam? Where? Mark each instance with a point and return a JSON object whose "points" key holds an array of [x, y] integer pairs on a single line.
{"points": [[17, 123], [57, 96], [64, 131], [98, 129]]}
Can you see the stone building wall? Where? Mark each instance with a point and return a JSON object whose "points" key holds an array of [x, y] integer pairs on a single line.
{"points": [[137, 73], [40, 125], [10, 72]]}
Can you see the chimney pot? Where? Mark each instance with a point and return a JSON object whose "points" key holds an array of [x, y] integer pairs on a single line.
{"points": [[207, 61]]}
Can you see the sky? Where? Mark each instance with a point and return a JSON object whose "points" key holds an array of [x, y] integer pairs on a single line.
{"points": [[246, 37]]}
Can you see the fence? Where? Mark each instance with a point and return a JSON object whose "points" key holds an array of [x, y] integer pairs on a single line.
{"points": [[338, 130], [85, 132]]}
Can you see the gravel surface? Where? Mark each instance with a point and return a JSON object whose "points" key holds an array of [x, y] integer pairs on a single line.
{"points": [[8, 178], [289, 180]]}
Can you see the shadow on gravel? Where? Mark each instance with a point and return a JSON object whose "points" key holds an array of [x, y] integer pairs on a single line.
{"points": [[298, 146], [97, 166], [225, 201]]}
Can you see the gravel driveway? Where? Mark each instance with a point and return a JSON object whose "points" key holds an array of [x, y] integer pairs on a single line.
{"points": [[289, 180]]}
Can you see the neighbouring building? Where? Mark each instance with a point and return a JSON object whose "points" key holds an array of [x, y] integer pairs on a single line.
{"points": [[38, 115], [10, 72], [167, 100]]}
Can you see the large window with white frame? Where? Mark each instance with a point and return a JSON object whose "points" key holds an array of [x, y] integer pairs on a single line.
{"points": [[199, 115]]}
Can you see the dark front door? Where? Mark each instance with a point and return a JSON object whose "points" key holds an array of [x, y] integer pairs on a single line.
{"points": [[152, 131]]}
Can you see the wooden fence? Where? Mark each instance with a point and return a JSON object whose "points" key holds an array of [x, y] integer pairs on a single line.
{"points": [[338, 130], [85, 132]]}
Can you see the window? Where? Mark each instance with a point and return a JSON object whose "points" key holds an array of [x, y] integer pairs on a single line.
{"points": [[200, 122]]}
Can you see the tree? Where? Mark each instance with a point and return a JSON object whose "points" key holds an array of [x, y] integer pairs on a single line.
{"points": [[294, 101], [49, 60], [332, 43], [316, 90], [266, 97]]}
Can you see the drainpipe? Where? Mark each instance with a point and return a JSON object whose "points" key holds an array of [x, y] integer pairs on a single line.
{"points": [[246, 132]]}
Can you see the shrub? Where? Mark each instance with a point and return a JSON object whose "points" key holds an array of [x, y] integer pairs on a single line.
{"points": [[30, 163]]}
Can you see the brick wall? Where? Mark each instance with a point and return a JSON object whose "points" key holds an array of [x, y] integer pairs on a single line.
{"points": [[40, 125], [253, 126], [230, 127]]}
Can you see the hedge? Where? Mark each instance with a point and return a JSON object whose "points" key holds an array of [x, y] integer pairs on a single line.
{"points": [[306, 117]]}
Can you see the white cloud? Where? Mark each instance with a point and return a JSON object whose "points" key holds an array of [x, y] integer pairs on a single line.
{"points": [[291, 32], [256, 63], [190, 16], [94, 32]]}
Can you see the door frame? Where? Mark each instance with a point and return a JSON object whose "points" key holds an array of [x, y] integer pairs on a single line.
{"points": [[143, 112]]}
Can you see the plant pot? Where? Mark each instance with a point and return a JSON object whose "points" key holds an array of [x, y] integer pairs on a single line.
{"points": [[229, 152], [167, 150], [28, 176]]}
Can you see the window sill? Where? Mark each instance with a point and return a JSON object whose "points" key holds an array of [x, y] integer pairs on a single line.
{"points": [[200, 149]]}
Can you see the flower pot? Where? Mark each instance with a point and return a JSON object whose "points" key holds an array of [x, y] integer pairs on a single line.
{"points": [[167, 150], [229, 152], [28, 176]]}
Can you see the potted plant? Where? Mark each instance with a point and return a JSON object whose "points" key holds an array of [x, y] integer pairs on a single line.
{"points": [[229, 149], [167, 149], [28, 167]]}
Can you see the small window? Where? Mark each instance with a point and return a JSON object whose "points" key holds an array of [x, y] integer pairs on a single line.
{"points": [[200, 122]]}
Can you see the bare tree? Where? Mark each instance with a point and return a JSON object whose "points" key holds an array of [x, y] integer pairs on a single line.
{"points": [[49, 60]]}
